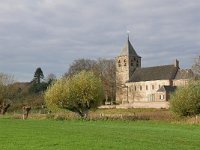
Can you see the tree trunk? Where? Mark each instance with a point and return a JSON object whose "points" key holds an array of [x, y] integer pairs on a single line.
{"points": [[26, 110], [4, 108]]}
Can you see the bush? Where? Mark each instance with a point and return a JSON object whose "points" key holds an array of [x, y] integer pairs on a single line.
{"points": [[186, 100]]}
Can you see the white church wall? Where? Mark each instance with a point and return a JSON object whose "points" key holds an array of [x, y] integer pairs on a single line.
{"points": [[144, 91]]}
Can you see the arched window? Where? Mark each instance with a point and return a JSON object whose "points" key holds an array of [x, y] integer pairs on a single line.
{"points": [[140, 88], [124, 62], [131, 62], [137, 64], [119, 63]]}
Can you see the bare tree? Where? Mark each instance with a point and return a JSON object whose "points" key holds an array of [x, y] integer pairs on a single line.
{"points": [[196, 66], [50, 78], [104, 68], [5, 85], [80, 65]]}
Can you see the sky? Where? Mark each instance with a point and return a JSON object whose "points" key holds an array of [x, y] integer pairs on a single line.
{"points": [[51, 34]]}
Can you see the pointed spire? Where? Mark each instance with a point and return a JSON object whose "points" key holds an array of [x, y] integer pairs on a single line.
{"points": [[128, 48], [128, 32]]}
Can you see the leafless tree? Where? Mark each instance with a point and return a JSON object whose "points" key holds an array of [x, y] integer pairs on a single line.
{"points": [[104, 68], [5, 85], [106, 71], [50, 78], [196, 66], [79, 65]]}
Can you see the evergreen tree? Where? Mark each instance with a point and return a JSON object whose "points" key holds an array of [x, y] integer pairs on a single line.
{"points": [[38, 75], [37, 85]]}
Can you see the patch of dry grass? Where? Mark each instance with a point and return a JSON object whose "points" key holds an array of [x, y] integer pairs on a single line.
{"points": [[113, 114], [132, 114]]}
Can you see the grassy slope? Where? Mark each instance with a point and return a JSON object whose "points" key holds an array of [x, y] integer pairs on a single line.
{"points": [[78, 135]]}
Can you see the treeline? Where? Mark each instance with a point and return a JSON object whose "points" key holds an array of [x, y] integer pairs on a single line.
{"points": [[15, 95], [18, 94]]}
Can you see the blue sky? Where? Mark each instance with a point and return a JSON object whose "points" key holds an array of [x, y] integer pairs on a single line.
{"points": [[52, 33]]}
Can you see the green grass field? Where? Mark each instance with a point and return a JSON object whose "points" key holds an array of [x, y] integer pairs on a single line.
{"points": [[96, 135]]}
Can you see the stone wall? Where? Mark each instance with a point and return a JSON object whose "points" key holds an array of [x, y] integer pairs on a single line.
{"points": [[157, 105], [144, 91]]}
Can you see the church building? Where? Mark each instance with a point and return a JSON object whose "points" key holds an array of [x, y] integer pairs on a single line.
{"points": [[151, 85]]}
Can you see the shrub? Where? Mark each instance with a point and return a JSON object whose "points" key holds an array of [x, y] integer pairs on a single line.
{"points": [[186, 100]]}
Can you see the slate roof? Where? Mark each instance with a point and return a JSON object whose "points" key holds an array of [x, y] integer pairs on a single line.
{"points": [[168, 89], [128, 50], [184, 74], [165, 72]]}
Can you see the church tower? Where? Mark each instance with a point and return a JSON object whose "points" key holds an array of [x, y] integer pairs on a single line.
{"points": [[126, 63]]}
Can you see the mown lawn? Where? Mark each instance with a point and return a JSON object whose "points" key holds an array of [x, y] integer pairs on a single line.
{"points": [[96, 135]]}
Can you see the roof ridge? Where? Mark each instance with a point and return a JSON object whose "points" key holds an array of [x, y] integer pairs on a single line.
{"points": [[155, 66], [164, 72]]}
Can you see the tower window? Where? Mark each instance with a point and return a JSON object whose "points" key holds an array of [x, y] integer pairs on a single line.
{"points": [[146, 87], [131, 62], [119, 63], [137, 63], [124, 62], [152, 87]]}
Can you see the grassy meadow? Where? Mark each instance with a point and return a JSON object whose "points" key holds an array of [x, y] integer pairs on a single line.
{"points": [[16, 134]]}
